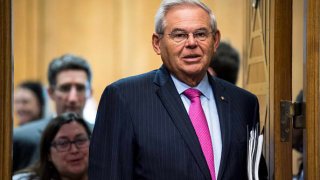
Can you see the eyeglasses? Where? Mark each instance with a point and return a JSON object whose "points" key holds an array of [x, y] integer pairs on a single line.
{"points": [[181, 36], [66, 88], [64, 145]]}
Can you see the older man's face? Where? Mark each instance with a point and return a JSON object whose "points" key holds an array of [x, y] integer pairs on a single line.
{"points": [[189, 59]]}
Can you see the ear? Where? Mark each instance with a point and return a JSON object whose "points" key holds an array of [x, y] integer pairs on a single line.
{"points": [[156, 43], [89, 93], [50, 91], [216, 39]]}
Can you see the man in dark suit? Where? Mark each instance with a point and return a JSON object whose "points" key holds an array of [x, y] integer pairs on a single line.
{"points": [[69, 77], [150, 127]]}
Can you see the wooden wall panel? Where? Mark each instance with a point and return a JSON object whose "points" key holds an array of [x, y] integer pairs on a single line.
{"points": [[256, 74], [25, 28], [256, 67], [298, 58], [231, 16]]}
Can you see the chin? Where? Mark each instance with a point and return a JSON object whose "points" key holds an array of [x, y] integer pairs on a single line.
{"points": [[77, 170], [73, 110], [195, 72]]}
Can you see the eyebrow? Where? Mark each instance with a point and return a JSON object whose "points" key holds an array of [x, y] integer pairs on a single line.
{"points": [[178, 29], [199, 29], [77, 136]]}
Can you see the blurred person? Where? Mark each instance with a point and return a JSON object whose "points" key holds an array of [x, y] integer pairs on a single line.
{"points": [[176, 122], [225, 63], [69, 79], [297, 141], [29, 102], [64, 151]]}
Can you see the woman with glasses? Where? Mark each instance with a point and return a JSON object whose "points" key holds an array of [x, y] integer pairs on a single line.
{"points": [[64, 151]]}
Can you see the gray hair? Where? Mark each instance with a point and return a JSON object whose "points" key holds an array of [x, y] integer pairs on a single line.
{"points": [[67, 62], [166, 5]]}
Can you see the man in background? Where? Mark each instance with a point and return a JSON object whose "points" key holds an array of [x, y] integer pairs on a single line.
{"points": [[69, 79], [225, 63]]}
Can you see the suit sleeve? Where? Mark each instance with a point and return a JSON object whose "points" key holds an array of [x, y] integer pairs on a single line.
{"points": [[112, 142]]}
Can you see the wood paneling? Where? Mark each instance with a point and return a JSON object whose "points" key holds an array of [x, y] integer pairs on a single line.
{"points": [[256, 70], [26, 34], [312, 91], [5, 90]]}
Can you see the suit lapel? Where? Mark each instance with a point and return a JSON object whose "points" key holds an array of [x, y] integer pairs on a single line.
{"points": [[224, 112], [171, 100]]}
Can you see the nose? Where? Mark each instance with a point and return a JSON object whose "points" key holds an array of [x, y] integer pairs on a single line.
{"points": [[18, 105], [73, 148], [191, 42], [73, 95]]}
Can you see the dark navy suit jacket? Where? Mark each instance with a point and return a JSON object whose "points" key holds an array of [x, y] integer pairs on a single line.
{"points": [[143, 131]]}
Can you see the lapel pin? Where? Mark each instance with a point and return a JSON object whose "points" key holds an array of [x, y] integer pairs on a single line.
{"points": [[222, 98]]}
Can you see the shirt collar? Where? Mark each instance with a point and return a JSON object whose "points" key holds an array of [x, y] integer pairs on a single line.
{"points": [[203, 86]]}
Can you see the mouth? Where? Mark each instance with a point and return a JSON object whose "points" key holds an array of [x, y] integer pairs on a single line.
{"points": [[191, 58], [23, 114], [72, 108], [75, 161]]}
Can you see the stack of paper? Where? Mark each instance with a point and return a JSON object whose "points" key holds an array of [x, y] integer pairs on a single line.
{"points": [[255, 141]]}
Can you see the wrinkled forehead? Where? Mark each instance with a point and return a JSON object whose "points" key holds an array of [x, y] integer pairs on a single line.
{"points": [[186, 16], [72, 77]]}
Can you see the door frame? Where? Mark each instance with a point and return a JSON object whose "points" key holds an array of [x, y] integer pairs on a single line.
{"points": [[6, 71], [280, 56], [312, 92]]}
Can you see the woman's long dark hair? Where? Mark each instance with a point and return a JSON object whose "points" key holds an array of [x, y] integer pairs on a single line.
{"points": [[45, 169]]}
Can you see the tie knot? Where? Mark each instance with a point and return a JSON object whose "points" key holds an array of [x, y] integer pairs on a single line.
{"points": [[192, 93]]}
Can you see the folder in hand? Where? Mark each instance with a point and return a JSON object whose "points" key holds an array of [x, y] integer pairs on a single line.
{"points": [[254, 150]]}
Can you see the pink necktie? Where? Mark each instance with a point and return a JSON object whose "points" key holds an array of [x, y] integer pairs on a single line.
{"points": [[200, 125]]}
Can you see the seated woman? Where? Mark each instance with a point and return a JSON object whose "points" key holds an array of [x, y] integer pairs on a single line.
{"points": [[64, 151]]}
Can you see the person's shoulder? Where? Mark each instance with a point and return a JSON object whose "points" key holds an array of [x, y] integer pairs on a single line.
{"points": [[131, 85], [90, 125], [130, 82], [28, 129], [23, 176], [137, 78]]}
